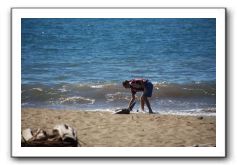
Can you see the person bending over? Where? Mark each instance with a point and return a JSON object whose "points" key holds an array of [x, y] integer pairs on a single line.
{"points": [[140, 85]]}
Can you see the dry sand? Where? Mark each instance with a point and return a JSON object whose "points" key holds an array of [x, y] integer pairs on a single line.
{"points": [[104, 129]]}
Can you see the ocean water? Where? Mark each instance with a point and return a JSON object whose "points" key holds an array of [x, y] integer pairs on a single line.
{"points": [[80, 63]]}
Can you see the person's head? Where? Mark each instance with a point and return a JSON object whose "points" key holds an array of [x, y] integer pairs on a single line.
{"points": [[126, 84]]}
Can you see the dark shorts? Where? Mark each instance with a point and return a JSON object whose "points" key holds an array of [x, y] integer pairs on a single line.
{"points": [[148, 89]]}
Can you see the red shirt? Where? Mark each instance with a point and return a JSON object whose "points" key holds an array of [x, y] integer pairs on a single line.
{"points": [[137, 85]]}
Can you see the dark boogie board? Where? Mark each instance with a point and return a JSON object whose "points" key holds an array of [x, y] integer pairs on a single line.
{"points": [[125, 110]]}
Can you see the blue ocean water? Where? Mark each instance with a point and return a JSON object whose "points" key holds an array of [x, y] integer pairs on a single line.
{"points": [[81, 63]]}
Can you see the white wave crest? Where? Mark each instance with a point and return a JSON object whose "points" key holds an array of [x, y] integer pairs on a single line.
{"points": [[37, 89], [77, 99], [117, 96], [97, 86]]}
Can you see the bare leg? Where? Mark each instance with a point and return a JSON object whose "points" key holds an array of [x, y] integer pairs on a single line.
{"points": [[142, 103], [148, 104]]}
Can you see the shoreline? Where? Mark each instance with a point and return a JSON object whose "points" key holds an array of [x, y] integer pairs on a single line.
{"points": [[104, 129], [207, 112]]}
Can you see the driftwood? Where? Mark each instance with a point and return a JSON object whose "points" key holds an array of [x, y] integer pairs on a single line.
{"points": [[60, 136]]}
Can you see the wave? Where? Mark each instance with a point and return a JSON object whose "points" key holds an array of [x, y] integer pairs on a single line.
{"points": [[186, 90], [76, 99], [117, 96], [90, 93], [191, 112]]}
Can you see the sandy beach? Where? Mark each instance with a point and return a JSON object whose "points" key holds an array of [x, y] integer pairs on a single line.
{"points": [[104, 129]]}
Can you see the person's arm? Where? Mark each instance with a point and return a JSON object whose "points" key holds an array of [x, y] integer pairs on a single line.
{"points": [[132, 100]]}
